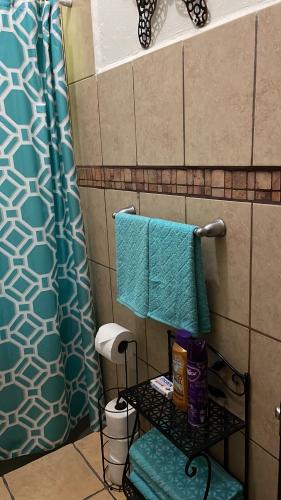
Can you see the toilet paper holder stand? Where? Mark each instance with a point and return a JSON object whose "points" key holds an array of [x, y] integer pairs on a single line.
{"points": [[121, 406]]}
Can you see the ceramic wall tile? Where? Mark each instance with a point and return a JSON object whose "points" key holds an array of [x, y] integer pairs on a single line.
{"points": [[123, 316], [117, 116], [163, 206], [226, 260], [266, 270], [157, 345], [158, 84], [78, 38], [263, 480], [265, 391], [267, 146], [93, 206], [218, 75], [100, 280], [85, 122]]}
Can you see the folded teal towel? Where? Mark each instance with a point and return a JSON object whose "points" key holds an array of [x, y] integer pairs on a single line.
{"points": [[132, 262], [147, 480], [163, 466], [177, 290], [143, 487]]}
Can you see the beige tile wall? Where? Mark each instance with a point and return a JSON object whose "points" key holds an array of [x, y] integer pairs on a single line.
{"points": [[143, 121], [212, 100], [219, 79], [267, 145], [83, 95], [235, 268]]}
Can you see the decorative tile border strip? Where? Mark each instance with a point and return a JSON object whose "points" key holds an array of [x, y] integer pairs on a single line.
{"points": [[240, 185]]}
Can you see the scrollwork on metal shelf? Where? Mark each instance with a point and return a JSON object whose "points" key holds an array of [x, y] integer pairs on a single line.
{"points": [[236, 377], [191, 471], [198, 12], [146, 10]]}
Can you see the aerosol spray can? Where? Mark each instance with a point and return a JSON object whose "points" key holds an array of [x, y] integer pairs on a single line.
{"points": [[197, 376]]}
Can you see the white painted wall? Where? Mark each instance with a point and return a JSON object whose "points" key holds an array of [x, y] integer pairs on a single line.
{"points": [[115, 26]]}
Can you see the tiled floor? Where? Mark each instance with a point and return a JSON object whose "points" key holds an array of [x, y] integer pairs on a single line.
{"points": [[73, 472]]}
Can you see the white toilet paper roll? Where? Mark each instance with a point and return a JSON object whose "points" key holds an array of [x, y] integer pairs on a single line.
{"points": [[115, 471], [109, 341], [118, 449], [116, 420]]}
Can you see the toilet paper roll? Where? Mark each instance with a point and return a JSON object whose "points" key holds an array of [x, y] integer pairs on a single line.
{"points": [[115, 471], [109, 341], [116, 419], [118, 449]]}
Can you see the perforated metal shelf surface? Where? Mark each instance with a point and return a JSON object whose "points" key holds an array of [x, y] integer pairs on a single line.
{"points": [[173, 423]]}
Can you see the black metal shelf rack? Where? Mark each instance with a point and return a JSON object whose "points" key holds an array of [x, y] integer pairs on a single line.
{"points": [[194, 442]]}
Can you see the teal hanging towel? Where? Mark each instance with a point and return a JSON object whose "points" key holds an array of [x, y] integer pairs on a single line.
{"points": [[132, 262], [177, 289], [49, 370]]}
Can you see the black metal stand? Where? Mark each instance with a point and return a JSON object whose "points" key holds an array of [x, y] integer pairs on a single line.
{"points": [[107, 395], [173, 424]]}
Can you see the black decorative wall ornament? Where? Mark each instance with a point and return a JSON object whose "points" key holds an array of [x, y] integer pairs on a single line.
{"points": [[146, 10], [198, 12]]}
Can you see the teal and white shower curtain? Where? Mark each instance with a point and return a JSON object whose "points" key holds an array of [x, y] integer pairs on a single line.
{"points": [[49, 371]]}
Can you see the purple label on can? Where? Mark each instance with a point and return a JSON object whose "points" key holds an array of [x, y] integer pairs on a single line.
{"points": [[197, 374]]}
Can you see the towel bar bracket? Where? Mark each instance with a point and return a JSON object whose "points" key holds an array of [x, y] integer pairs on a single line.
{"points": [[128, 210], [215, 229]]}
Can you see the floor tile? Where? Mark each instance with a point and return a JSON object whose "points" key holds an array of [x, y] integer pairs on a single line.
{"points": [[91, 450], [4, 494], [102, 495], [119, 495], [62, 475]]}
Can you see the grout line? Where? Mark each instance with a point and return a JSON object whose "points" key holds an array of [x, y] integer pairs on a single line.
{"points": [[135, 116], [100, 134], [230, 319], [89, 465], [266, 335], [246, 326], [264, 449], [250, 286], [81, 79], [229, 168], [8, 488], [254, 90], [183, 103], [92, 495]]}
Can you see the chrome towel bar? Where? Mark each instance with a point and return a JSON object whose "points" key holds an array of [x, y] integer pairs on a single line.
{"points": [[215, 229]]}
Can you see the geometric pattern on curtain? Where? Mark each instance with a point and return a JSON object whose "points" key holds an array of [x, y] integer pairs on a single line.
{"points": [[49, 370]]}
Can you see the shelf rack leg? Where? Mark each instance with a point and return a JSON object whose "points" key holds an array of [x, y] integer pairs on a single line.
{"points": [[191, 471], [226, 454]]}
